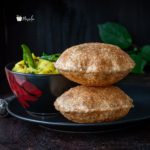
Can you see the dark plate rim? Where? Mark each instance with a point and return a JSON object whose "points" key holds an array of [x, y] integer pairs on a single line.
{"points": [[40, 121]]}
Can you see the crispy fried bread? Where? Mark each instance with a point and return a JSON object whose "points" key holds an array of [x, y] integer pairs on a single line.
{"points": [[94, 64], [93, 104]]}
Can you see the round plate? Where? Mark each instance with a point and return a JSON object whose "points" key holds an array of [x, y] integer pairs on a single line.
{"points": [[141, 111]]}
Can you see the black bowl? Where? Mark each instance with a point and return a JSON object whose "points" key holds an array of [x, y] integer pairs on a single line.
{"points": [[37, 92]]}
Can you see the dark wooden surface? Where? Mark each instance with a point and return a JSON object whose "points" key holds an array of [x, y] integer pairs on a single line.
{"points": [[19, 135], [16, 134]]}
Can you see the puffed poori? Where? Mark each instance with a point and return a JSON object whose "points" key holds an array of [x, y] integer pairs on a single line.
{"points": [[94, 64], [83, 104]]}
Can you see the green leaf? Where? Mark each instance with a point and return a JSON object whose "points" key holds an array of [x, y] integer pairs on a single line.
{"points": [[114, 33], [52, 57], [135, 49], [140, 63], [44, 54], [145, 52]]}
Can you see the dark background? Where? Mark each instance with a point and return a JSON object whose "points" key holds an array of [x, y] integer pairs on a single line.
{"points": [[59, 24]]}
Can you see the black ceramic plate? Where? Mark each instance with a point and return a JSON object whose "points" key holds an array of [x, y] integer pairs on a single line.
{"points": [[141, 111]]}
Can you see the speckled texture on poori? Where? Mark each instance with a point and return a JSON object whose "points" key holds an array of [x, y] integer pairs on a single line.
{"points": [[93, 104], [94, 64]]}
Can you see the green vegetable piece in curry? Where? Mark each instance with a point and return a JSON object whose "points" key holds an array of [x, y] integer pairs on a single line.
{"points": [[34, 65]]}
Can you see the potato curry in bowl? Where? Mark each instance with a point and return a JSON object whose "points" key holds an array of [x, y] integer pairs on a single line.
{"points": [[32, 64]]}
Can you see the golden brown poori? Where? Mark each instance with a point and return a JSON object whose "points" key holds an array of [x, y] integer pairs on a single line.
{"points": [[94, 64], [93, 104]]}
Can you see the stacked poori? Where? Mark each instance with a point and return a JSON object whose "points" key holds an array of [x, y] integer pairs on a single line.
{"points": [[96, 66]]}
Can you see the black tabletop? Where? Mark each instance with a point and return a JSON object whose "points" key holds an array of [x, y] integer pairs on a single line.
{"points": [[16, 134]]}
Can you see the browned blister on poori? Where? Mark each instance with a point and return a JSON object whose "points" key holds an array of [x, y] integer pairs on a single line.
{"points": [[94, 64], [93, 104]]}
